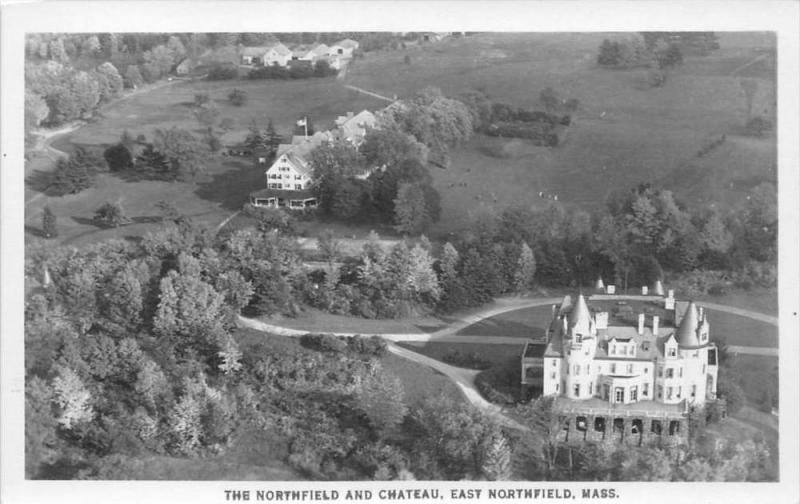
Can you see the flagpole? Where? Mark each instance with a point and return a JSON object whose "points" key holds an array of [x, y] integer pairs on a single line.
{"points": [[305, 125]]}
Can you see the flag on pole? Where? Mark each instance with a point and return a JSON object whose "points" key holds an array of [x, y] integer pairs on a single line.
{"points": [[302, 122]]}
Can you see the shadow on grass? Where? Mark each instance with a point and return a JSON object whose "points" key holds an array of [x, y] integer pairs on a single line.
{"points": [[41, 181], [497, 327], [231, 189], [35, 231]]}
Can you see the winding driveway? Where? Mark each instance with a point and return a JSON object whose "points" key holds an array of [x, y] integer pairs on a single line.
{"points": [[465, 378]]}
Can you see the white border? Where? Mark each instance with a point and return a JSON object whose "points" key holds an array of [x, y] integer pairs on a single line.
{"points": [[171, 16]]}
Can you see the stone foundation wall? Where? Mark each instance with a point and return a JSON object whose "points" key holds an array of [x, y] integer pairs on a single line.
{"points": [[620, 430]]}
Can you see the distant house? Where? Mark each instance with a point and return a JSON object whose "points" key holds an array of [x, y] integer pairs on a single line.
{"points": [[344, 48], [276, 54], [353, 128], [435, 36]]}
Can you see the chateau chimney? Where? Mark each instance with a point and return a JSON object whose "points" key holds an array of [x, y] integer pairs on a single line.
{"points": [[641, 323], [611, 289], [644, 290], [702, 314], [671, 293], [655, 325]]}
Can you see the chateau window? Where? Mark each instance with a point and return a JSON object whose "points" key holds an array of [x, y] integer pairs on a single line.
{"points": [[619, 394], [694, 391], [554, 362], [613, 368], [298, 186], [591, 388], [557, 387], [588, 370], [680, 372], [576, 369], [645, 389], [630, 350], [613, 350], [630, 368], [646, 370], [669, 392], [669, 372], [298, 177], [704, 369], [599, 369], [671, 352], [660, 372], [552, 376], [678, 393], [634, 393], [577, 390], [660, 391]]}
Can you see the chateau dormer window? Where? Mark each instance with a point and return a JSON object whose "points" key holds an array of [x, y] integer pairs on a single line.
{"points": [[672, 352]]}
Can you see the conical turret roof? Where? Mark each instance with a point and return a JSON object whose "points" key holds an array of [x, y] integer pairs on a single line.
{"points": [[580, 317], [687, 332]]}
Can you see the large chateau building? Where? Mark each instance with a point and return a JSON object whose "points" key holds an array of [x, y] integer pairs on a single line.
{"points": [[624, 356]]}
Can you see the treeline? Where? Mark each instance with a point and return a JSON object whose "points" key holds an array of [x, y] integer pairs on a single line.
{"points": [[295, 70]]}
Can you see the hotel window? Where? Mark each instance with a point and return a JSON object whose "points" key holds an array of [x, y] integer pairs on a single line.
{"points": [[669, 372], [645, 389], [630, 368], [660, 391], [588, 371], [298, 186], [557, 387], [613, 350], [671, 352], [591, 387], [554, 362], [552, 376], [619, 394], [646, 370], [298, 177], [704, 369], [630, 350], [660, 372]]}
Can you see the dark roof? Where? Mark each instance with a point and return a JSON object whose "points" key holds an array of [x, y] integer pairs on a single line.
{"points": [[687, 332], [282, 193], [535, 349], [712, 356]]}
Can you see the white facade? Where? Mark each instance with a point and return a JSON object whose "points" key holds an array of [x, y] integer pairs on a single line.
{"points": [[645, 359], [288, 173]]}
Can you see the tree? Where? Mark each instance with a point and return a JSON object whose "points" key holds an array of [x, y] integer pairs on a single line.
{"points": [[380, 398], [526, 268], [118, 157], [448, 263], [549, 99], [49, 223], [609, 53], [255, 139], [421, 277], [410, 210], [271, 138], [237, 97], [133, 77], [159, 61], [496, 463], [186, 153], [71, 177], [152, 164], [72, 399], [645, 464], [111, 215], [329, 247], [90, 46], [111, 81], [387, 147], [40, 426], [542, 445]]}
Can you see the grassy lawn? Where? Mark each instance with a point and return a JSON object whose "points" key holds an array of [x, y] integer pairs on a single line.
{"points": [[625, 133], [759, 299], [421, 382], [495, 354], [532, 322], [524, 323], [319, 321]]}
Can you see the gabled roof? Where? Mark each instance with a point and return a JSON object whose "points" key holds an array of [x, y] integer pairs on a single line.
{"points": [[262, 50], [347, 44], [687, 332]]}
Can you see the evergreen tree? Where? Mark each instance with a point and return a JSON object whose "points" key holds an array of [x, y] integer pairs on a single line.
{"points": [[254, 140], [271, 138], [49, 223], [381, 398], [151, 164], [410, 210], [111, 215], [526, 268], [496, 463], [448, 262]]}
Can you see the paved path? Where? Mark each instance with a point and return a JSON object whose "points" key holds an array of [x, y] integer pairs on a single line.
{"points": [[369, 93], [226, 221]]}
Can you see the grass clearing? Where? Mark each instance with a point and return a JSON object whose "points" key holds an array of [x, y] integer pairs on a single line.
{"points": [[314, 320], [524, 323], [496, 354], [421, 382]]}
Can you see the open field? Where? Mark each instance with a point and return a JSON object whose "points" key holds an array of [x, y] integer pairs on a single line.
{"points": [[625, 132], [532, 322], [495, 354], [421, 382], [318, 321]]}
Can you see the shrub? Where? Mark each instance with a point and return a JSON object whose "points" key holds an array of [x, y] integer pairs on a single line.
{"points": [[111, 215], [471, 360], [118, 157], [323, 342], [237, 97], [372, 346], [222, 72], [269, 219]]}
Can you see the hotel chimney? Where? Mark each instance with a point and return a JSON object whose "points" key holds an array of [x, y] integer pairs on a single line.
{"points": [[641, 323], [655, 325]]}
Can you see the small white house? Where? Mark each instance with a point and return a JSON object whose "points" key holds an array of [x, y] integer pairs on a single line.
{"points": [[266, 55], [344, 48], [353, 127]]}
